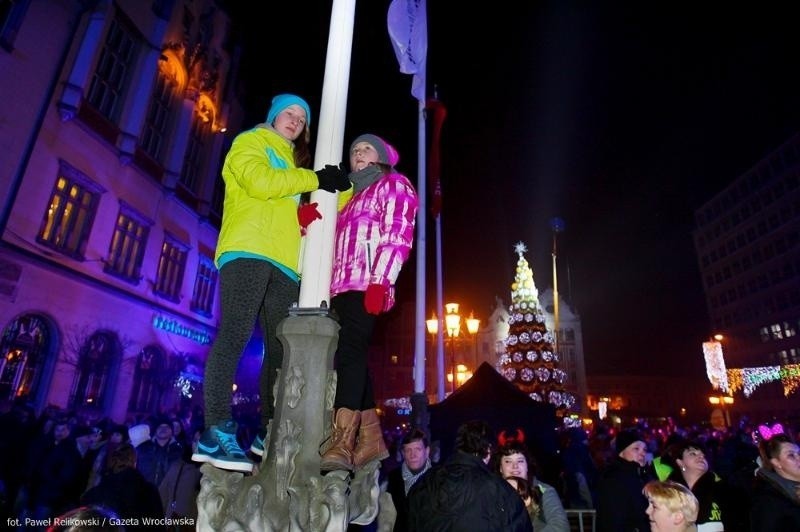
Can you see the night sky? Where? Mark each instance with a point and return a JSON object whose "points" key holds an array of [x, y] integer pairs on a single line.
{"points": [[621, 118]]}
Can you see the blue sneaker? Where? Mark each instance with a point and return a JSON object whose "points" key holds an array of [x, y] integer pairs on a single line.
{"points": [[258, 447], [218, 446]]}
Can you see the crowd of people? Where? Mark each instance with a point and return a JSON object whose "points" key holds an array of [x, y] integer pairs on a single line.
{"points": [[639, 478], [57, 462]]}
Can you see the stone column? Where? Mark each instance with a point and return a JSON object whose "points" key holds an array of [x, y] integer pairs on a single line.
{"points": [[288, 492]]}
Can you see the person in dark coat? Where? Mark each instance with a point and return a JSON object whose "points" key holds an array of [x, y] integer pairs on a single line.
{"points": [[716, 510], [416, 461], [124, 490], [180, 487], [776, 493], [463, 495], [156, 455], [580, 472], [621, 506], [54, 463], [17, 430]]}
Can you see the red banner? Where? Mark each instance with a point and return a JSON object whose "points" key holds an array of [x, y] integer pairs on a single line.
{"points": [[436, 113]]}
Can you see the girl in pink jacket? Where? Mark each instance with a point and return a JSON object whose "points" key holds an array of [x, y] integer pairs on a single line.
{"points": [[374, 234]]}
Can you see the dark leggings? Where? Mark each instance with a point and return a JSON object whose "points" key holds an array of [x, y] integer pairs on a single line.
{"points": [[250, 289], [353, 383]]}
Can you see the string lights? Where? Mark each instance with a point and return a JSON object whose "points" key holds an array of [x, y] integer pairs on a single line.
{"points": [[746, 379]]}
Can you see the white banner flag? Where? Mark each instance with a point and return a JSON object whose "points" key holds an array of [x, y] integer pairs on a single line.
{"points": [[408, 31]]}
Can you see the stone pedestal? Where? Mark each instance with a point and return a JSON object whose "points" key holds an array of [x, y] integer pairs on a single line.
{"points": [[288, 492]]}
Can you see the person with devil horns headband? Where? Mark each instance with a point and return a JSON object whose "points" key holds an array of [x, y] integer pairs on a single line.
{"points": [[512, 460], [464, 494]]}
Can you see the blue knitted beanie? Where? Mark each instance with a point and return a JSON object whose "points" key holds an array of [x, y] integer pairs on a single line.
{"points": [[282, 101]]}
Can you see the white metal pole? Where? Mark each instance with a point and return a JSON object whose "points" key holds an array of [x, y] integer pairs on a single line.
{"points": [[317, 257]]}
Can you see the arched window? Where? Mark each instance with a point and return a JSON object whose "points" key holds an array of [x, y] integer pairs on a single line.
{"points": [[24, 349], [146, 392], [95, 359]]}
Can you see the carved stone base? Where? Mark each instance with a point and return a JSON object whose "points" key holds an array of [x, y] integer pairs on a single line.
{"points": [[287, 492]]}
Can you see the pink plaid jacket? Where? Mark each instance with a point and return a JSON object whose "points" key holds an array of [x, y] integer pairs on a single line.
{"points": [[374, 234]]}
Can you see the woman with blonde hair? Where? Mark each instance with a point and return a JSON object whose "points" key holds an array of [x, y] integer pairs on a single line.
{"points": [[671, 507]]}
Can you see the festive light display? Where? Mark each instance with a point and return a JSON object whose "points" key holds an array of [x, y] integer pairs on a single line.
{"points": [[185, 386], [790, 378], [715, 365], [402, 405], [530, 360], [747, 379], [187, 382]]}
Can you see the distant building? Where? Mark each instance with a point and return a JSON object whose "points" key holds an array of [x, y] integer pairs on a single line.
{"points": [[747, 239], [392, 353], [631, 397], [111, 141]]}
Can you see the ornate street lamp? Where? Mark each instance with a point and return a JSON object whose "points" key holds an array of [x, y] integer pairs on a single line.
{"points": [[452, 323], [723, 401]]}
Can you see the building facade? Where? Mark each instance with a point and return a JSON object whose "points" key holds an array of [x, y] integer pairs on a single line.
{"points": [[113, 130], [631, 397], [747, 239]]}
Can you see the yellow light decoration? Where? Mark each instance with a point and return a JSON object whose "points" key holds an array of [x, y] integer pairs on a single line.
{"points": [[735, 379], [790, 378]]}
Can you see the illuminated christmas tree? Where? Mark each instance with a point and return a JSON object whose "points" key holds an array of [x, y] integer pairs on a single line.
{"points": [[530, 360]]}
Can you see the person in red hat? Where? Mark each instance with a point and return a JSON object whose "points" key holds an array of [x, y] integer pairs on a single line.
{"points": [[374, 234]]}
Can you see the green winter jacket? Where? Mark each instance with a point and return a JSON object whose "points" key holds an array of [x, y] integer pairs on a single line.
{"points": [[262, 188]]}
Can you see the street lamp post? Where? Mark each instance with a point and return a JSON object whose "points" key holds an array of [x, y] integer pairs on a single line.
{"points": [[723, 401], [473, 324], [433, 328], [452, 324], [452, 320]]}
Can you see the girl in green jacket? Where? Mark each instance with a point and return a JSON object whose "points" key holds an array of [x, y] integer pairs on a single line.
{"points": [[257, 254]]}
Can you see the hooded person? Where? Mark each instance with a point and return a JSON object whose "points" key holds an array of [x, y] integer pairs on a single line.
{"points": [[257, 254], [620, 502], [374, 235], [139, 434]]}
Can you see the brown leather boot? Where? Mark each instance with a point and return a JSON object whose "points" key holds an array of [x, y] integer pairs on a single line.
{"points": [[370, 445], [339, 452]]}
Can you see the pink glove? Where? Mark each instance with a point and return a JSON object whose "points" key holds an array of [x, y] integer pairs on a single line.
{"points": [[374, 298], [307, 214]]}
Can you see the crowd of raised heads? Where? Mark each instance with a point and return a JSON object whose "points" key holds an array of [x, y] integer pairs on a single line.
{"points": [[61, 464], [735, 473], [651, 476]]}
